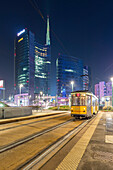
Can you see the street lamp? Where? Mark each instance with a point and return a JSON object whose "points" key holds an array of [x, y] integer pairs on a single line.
{"points": [[21, 85], [72, 83], [41, 93], [112, 89]]}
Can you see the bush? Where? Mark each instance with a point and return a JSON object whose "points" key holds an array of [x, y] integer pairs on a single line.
{"points": [[65, 107], [4, 104], [35, 107], [110, 108]]}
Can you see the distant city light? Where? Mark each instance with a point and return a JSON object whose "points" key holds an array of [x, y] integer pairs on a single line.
{"points": [[21, 85], [41, 92], [1, 83], [1, 105], [21, 32]]}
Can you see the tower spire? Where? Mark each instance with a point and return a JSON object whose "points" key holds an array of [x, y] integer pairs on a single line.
{"points": [[48, 32]]}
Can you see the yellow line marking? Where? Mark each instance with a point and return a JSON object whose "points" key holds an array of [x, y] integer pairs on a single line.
{"points": [[108, 138], [73, 158]]}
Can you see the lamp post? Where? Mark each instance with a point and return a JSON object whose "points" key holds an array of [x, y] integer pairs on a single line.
{"points": [[72, 83], [41, 93], [112, 90], [21, 85]]}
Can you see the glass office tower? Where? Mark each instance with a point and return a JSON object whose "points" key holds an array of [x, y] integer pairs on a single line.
{"points": [[42, 69], [43, 65], [24, 62], [69, 69], [87, 81], [32, 64]]}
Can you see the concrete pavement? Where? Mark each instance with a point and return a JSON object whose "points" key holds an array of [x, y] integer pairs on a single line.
{"points": [[94, 149]]}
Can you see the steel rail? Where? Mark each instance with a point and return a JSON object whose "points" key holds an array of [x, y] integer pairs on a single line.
{"points": [[10, 146], [56, 116], [64, 139]]}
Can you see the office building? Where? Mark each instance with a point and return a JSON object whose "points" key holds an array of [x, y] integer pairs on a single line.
{"points": [[69, 68], [103, 91], [42, 69], [24, 62], [109, 88], [32, 64], [87, 81]]}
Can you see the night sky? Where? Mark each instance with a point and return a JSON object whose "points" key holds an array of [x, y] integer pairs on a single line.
{"points": [[84, 29]]}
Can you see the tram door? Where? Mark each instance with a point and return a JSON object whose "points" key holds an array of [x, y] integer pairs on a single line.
{"points": [[88, 99]]}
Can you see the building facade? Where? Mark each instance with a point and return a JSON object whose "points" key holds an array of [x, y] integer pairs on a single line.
{"points": [[109, 88], [103, 91], [87, 81], [32, 64], [42, 69], [24, 62], [69, 69]]}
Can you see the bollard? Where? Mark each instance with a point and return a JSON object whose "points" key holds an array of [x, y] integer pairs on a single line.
{"points": [[3, 116]]}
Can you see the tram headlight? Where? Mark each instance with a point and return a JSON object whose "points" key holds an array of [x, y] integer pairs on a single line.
{"points": [[84, 110], [72, 109]]}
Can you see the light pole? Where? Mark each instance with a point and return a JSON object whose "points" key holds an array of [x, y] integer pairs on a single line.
{"points": [[112, 90], [21, 85], [41, 93], [72, 83]]}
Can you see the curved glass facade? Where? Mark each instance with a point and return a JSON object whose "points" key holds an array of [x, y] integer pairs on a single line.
{"points": [[69, 69], [42, 68]]}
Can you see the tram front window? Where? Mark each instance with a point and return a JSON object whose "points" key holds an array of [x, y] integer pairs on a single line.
{"points": [[77, 101]]}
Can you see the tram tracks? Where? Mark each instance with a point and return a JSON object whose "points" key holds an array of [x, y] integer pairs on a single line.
{"points": [[42, 157], [41, 145], [17, 143], [30, 123]]}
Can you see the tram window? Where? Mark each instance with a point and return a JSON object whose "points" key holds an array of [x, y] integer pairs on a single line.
{"points": [[88, 100], [83, 103], [93, 101], [75, 101]]}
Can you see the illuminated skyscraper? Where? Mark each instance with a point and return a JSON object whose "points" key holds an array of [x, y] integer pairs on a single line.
{"points": [[24, 62], [69, 68], [43, 65], [42, 68], [32, 63], [87, 81]]}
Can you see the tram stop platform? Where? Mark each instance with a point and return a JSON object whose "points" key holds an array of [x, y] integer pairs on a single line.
{"points": [[35, 114], [94, 148]]}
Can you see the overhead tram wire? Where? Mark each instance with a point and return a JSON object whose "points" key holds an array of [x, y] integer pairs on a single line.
{"points": [[36, 7]]}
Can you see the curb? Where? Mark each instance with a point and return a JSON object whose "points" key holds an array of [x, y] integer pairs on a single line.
{"points": [[27, 118]]}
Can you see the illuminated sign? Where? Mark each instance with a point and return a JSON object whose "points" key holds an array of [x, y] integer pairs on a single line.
{"points": [[21, 32], [20, 39], [1, 83]]}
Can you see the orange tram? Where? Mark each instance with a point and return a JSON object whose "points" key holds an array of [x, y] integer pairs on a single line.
{"points": [[83, 104]]}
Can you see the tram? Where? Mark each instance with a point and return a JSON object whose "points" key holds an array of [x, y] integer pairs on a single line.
{"points": [[83, 104]]}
